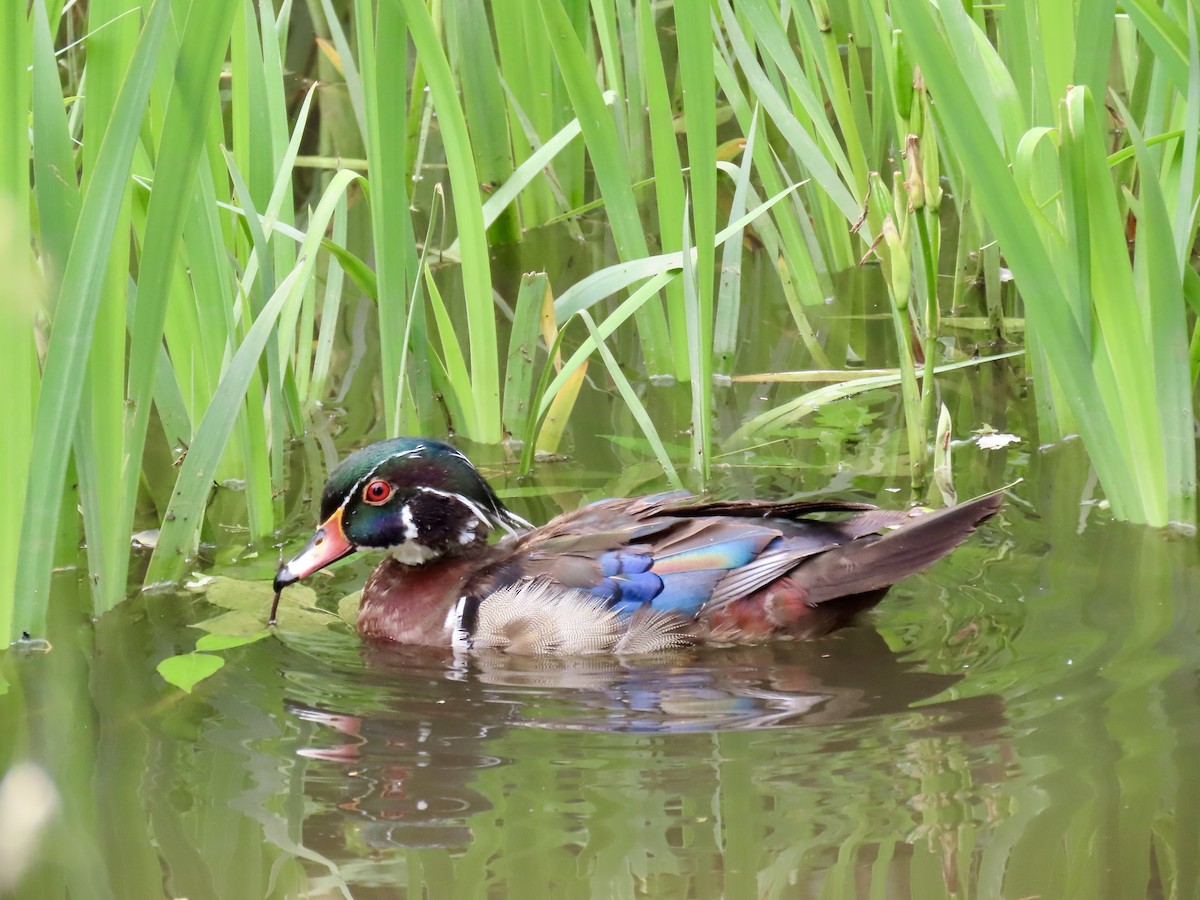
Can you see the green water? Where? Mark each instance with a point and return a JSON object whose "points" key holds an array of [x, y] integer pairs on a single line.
{"points": [[1022, 720]]}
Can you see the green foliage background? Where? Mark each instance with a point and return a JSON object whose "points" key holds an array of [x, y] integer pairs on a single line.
{"points": [[191, 190]]}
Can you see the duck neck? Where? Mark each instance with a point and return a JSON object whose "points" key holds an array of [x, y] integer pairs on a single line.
{"points": [[413, 604]]}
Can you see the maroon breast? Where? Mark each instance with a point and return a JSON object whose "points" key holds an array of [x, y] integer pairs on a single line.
{"points": [[410, 604]]}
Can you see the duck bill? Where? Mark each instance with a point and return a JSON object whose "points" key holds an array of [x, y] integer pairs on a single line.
{"points": [[327, 545]]}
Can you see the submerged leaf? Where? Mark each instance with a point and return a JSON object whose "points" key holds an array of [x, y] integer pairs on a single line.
{"points": [[234, 593], [249, 602], [189, 669], [235, 623], [213, 641]]}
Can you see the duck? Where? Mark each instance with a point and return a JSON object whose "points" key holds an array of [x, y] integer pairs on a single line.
{"points": [[623, 576]]}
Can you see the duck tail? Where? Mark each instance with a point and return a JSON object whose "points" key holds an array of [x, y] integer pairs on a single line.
{"points": [[867, 566]]}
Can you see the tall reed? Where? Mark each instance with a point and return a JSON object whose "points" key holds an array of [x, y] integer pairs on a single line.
{"points": [[215, 184]]}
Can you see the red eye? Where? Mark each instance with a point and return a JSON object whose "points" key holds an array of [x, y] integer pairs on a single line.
{"points": [[377, 493]]}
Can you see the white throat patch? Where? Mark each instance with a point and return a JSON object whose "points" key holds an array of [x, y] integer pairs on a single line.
{"points": [[410, 553]]}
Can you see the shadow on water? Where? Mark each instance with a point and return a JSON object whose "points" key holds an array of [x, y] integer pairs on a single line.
{"points": [[850, 675]]}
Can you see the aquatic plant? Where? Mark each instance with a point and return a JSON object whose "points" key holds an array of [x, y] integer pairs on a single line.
{"points": [[196, 195]]}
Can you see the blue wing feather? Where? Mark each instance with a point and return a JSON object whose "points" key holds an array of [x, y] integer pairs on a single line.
{"points": [[684, 593], [680, 582]]}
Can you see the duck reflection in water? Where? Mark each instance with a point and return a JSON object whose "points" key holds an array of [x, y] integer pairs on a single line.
{"points": [[411, 767]]}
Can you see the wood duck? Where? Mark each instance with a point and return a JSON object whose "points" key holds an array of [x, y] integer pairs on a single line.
{"points": [[618, 576]]}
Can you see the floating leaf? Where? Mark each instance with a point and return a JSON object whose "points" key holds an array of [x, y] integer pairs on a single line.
{"points": [[235, 593], [849, 416], [229, 641], [235, 623], [249, 602], [189, 669]]}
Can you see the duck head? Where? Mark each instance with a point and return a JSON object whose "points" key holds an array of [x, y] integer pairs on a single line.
{"points": [[419, 498]]}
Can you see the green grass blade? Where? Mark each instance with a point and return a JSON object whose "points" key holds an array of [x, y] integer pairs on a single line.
{"points": [[1093, 44], [611, 169], [354, 74], [524, 174], [970, 135], [463, 175], [725, 322], [620, 315], [1167, 40], [1185, 209], [383, 52], [182, 521], [661, 270], [529, 82], [636, 409], [483, 105], [193, 100], [330, 308], [100, 453], [254, 426], [199, 325], [249, 112], [698, 341], [1160, 295], [181, 524], [57, 195], [550, 200], [599, 131], [75, 317], [825, 51], [694, 27], [1126, 383], [452, 356], [798, 137], [522, 352], [796, 263], [668, 181], [789, 413], [595, 287], [476, 268], [19, 375]]}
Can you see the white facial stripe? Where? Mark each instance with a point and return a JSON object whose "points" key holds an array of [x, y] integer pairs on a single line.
{"points": [[472, 506], [410, 531], [501, 520], [400, 454], [410, 527], [512, 515], [467, 535]]}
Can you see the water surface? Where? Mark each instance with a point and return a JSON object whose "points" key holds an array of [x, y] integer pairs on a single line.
{"points": [[1022, 720]]}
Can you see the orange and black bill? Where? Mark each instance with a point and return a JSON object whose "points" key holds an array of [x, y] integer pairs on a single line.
{"points": [[328, 544]]}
